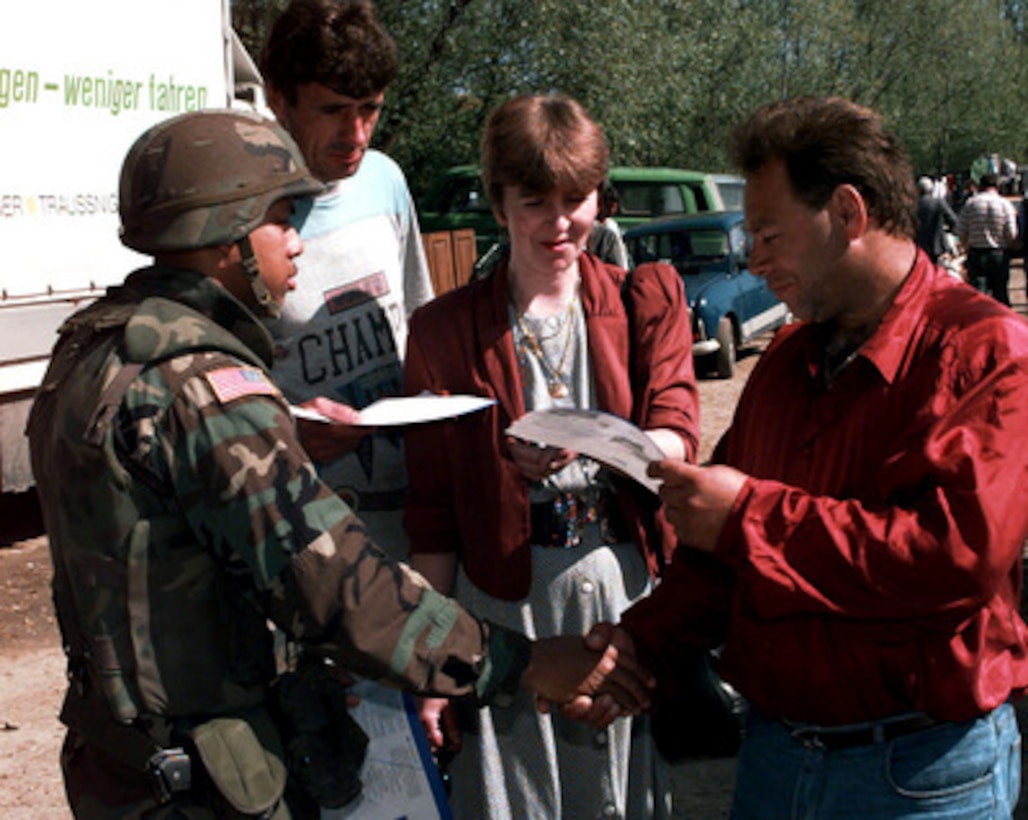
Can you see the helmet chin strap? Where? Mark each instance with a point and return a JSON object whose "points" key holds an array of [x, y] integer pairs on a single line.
{"points": [[265, 301]]}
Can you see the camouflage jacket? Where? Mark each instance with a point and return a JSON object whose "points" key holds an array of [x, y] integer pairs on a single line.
{"points": [[185, 514]]}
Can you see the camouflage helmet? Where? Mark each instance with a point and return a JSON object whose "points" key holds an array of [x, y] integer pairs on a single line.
{"points": [[207, 178]]}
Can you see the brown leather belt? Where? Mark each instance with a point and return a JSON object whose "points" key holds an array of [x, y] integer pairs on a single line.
{"points": [[863, 734]]}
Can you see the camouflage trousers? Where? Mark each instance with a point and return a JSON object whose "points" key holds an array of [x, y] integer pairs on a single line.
{"points": [[99, 787]]}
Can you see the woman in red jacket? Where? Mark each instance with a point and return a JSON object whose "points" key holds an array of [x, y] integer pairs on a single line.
{"points": [[537, 538]]}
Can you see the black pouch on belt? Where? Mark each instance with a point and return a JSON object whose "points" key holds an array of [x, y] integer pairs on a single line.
{"points": [[324, 745]]}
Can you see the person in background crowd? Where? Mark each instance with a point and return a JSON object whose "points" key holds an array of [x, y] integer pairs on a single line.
{"points": [[934, 219], [340, 340], [183, 515], [605, 239], [532, 537], [1021, 243], [856, 543], [987, 228]]}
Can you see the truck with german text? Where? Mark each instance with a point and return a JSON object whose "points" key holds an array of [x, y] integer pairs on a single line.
{"points": [[79, 81]]}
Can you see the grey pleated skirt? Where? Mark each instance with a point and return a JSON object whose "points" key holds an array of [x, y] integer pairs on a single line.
{"points": [[518, 764]]}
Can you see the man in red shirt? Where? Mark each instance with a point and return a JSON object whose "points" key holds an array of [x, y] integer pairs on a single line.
{"points": [[856, 545]]}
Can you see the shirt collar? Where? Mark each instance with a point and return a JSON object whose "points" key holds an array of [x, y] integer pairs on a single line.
{"points": [[887, 346]]}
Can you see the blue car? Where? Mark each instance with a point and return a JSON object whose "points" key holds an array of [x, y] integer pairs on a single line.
{"points": [[728, 305]]}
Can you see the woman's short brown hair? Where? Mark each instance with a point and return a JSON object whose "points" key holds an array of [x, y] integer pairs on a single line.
{"points": [[541, 142], [825, 142]]}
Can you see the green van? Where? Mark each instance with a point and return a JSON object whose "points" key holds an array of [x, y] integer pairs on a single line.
{"points": [[646, 193], [459, 200]]}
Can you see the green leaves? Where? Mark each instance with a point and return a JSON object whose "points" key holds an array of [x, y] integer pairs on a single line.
{"points": [[669, 78]]}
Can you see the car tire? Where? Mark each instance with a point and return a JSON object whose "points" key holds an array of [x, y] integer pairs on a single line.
{"points": [[725, 356]]}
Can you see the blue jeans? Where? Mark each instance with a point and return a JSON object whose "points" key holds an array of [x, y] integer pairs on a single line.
{"points": [[954, 770]]}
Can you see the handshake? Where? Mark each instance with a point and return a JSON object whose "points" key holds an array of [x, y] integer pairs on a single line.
{"points": [[595, 679]]}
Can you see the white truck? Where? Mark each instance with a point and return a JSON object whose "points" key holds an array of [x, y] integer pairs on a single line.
{"points": [[79, 81]]}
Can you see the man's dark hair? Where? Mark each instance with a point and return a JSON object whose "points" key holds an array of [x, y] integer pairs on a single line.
{"points": [[988, 180], [825, 142], [336, 43]]}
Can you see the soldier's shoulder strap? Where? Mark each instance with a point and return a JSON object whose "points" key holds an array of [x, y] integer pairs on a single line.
{"points": [[157, 331], [163, 328]]}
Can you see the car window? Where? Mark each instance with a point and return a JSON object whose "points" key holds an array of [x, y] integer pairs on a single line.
{"points": [[652, 247], [741, 242], [732, 195], [730, 188], [650, 199], [685, 249], [700, 246]]}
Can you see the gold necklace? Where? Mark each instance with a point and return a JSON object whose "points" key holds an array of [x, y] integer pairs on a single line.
{"points": [[556, 379]]}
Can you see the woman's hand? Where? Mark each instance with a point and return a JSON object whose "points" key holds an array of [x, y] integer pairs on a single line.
{"points": [[440, 725], [536, 462]]}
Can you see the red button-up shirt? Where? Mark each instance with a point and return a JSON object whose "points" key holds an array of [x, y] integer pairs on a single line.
{"points": [[872, 562]]}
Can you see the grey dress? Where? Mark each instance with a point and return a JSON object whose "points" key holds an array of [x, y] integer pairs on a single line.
{"points": [[517, 763]]}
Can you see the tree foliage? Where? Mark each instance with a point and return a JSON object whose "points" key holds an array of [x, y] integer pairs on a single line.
{"points": [[668, 78]]}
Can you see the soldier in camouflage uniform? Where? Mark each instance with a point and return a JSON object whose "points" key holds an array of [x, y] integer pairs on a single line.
{"points": [[183, 514]]}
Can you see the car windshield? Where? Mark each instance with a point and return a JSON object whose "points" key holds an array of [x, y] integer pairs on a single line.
{"points": [[683, 249], [646, 199]]}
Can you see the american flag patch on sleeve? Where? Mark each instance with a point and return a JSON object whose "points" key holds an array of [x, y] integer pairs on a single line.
{"points": [[229, 383]]}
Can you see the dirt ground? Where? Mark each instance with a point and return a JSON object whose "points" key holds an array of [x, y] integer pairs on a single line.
{"points": [[32, 668]]}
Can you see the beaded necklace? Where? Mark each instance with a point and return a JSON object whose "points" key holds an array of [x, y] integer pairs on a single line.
{"points": [[556, 378]]}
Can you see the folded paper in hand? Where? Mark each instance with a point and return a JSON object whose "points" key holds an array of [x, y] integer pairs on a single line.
{"points": [[609, 439], [397, 411]]}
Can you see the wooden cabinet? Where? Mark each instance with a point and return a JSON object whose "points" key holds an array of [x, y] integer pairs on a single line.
{"points": [[451, 256]]}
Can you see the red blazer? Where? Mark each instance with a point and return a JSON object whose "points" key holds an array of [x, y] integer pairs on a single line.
{"points": [[466, 495]]}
